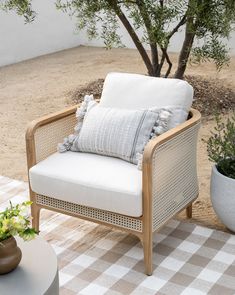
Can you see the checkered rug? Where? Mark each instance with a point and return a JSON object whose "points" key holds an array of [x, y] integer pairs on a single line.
{"points": [[94, 260]]}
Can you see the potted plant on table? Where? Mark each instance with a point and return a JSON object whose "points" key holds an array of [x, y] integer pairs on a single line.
{"points": [[221, 150], [13, 221]]}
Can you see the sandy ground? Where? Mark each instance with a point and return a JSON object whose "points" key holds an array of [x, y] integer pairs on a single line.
{"points": [[43, 85]]}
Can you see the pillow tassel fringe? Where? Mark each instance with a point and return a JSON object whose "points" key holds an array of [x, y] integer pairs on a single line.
{"points": [[67, 144]]}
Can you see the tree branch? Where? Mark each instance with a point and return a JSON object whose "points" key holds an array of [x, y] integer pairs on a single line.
{"points": [[134, 37], [125, 2], [181, 23], [164, 51], [166, 57], [161, 63], [148, 25]]}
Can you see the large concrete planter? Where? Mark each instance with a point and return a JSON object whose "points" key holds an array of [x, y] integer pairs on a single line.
{"points": [[223, 197]]}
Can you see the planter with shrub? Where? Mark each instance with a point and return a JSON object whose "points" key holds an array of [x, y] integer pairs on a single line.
{"points": [[221, 150]]}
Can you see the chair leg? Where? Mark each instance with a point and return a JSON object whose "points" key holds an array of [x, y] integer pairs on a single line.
{"points": [[189, 211], [148, 254], [35, 212]]}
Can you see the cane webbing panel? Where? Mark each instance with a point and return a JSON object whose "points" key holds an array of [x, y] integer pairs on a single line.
{"points": [[48, 136], [92, 213], [174, 175]]}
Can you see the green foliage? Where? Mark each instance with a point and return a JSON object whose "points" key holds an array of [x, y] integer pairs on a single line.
{"points": [[15, 221], [208, 21], [213, 49], [221, 146], [21, 7]]}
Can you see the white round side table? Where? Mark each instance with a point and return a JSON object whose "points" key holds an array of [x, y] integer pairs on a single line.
{"points": [[37, 273]]}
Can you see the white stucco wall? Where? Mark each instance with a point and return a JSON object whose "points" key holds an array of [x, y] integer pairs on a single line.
{"points": [[51, 31], [175, 44]]}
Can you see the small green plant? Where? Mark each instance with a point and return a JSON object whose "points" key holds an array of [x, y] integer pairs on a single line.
{"points": [[221, 146], [15, 221]]}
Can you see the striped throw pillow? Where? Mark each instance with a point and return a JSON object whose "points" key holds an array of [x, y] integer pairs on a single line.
{"points": [[114, 132]]}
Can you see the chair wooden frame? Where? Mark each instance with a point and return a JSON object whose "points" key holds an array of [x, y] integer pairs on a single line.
{"points": [[160, 200]]}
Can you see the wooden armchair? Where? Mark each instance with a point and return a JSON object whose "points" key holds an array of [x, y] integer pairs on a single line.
{"points": [[168, 178]]}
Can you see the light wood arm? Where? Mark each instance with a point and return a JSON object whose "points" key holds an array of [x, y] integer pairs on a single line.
{"points": [[32, 126]]}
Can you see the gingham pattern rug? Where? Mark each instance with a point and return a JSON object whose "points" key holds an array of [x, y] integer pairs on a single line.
{"points": [[94, 260]]}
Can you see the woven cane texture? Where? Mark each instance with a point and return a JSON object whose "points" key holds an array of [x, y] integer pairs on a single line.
{"points": [[174, 175], [48, 136], [92, 213]]}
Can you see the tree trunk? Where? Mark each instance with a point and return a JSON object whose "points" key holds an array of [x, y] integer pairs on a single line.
{"points": [[155, 65], [184, 56], [185, 50]]}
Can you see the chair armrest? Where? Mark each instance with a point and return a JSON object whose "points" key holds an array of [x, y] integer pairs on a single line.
{"points": [[43, 135], [170, 171]]}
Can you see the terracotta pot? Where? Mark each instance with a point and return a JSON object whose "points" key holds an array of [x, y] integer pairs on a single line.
{"points": [[10, 255]]}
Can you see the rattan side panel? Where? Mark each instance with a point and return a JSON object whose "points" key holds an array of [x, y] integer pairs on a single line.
{"points": [[174, 175], [92, 213], [48, 136]]}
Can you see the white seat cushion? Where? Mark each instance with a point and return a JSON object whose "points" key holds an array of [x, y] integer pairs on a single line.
{"points": [[133, 91], [91, 180]]}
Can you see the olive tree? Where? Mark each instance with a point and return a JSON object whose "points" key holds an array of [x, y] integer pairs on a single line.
{"points": [[205, 22], [21, 7]]}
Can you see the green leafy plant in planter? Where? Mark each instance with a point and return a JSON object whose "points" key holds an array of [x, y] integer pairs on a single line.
{"points": [[14, 221], [221, 150], [221, 146]]}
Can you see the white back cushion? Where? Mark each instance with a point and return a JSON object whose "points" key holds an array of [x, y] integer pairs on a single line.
{"points": [[133, 91]]}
